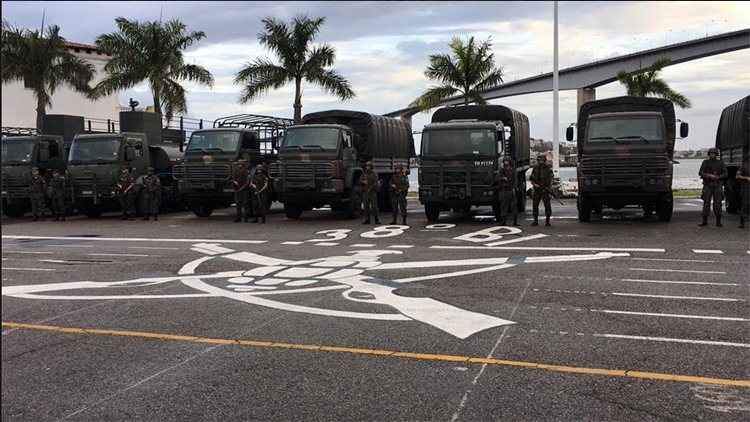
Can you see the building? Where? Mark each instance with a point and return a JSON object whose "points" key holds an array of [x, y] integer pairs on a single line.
{"points": [[19, 104]]}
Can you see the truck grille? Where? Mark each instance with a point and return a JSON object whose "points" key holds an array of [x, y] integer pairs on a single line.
{"points": [[452, 176], [202, 172], [302, 170], [612, 166], [90, 183], [15, 186]]}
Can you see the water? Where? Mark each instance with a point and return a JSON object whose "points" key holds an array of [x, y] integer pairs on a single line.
{"points": [[685, 175]]}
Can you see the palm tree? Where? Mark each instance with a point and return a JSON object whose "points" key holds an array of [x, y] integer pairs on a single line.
{"points": [[299, 60], [469, 71], [644, 82], [40, 59], [153, 52]]}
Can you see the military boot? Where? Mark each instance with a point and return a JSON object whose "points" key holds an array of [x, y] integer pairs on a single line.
{"points": [[263, 220], [377, 221], [394, 220], [704, 222], [742, 222], [156, 217], [718, 221], [255, 220], [403, 221], [35, 218], [546, 223], [536, 222], [366, 221]]}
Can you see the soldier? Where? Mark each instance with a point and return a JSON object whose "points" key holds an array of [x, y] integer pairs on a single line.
{"points": [[259, 186], [743, 178], [37, 189], [241, 185], [712, 171], [399, 189], [152, 190], [57, 185], [541, 179], [125, 192], [370, 187], [504, 185]]}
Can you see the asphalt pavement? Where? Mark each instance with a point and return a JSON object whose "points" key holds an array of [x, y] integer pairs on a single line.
{"points": [[187, 318]]}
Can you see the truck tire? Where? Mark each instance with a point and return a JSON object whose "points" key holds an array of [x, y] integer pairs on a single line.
{"points": [[664, 208], [584, 209], [203, 210], [92, 211], [14, 209], [648, 209], [432, 211], [496, 212], [293, 212], [521, 195], [732, 195]]}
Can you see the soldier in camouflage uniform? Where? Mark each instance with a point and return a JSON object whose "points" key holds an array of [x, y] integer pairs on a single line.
{"points": [[712, 172], [541, 179], [37, 189], [504, 185], [370, 187], [152, 190], [241, 185], [259, 187], [57, 186], [743, 178], [125, 192], [399, 189]]}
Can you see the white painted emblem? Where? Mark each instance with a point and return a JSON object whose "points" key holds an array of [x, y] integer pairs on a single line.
{"points": [[272, 278]]}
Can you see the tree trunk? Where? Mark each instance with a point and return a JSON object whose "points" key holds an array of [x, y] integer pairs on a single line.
{"points": [[41, 111], [298, 100], [157, 102]]}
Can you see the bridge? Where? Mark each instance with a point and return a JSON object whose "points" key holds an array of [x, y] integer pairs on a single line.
{"points": [[585, 78]]}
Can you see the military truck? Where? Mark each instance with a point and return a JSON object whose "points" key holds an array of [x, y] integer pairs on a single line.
{"points": [[204, 177], [321, 160], [19, 155], [625, 151], [733, 142], [94, 165], [461, 151]]}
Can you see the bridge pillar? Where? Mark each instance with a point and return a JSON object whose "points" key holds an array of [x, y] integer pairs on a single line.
{"points": [[585, 95]]}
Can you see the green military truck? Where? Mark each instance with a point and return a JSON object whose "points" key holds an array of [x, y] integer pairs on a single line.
{"points": [[625, 151], [322, 159], [204, 177], [19, 155], [462, 149], [733, 142]]}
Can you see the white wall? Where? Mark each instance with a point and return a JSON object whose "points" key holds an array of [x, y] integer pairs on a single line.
{"points": [[19, 104]]}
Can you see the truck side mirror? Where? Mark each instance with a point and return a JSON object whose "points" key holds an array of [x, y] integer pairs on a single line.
{"points": [[683, 130], [569, 134], [129, 153]]}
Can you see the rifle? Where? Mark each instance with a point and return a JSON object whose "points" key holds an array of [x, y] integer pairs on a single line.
{"points": [[548, 190]]}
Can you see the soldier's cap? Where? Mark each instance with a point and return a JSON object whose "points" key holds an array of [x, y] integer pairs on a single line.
{"points": [[713, 151], [541, 157], [368, 164]]}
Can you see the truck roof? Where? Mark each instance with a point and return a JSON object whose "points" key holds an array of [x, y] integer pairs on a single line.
{"points": [[108, 135], [734, 125], [33, 137], [461, 125]]}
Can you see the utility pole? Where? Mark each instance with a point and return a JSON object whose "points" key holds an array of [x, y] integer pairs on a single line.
{"points": [[555, 108]]}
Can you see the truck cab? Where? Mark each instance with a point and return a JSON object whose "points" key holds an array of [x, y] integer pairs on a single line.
{"points": [[19, 155]]}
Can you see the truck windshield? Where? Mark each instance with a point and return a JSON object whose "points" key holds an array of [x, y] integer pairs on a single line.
{"points": [[224, 141], [625, 129], [456, 142], [94, 150], [17, 150], [315, 137]]}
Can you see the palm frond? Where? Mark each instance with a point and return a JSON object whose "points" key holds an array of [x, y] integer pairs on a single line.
{"points": [[259, 77], [433, 96], [332, 83]]}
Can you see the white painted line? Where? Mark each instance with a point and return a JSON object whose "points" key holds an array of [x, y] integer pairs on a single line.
{"points": [[717, 299], [674, 260], [28, 269], [292, 243], [551, 248], [152, 247], [607, 311], [519, 239], [29, 252], [401, 246], [709, 251], [119, 254], [326, 244], [136, 239], [72, 246], [363, 245], [677, 271], [639, 280], [674, 340]]}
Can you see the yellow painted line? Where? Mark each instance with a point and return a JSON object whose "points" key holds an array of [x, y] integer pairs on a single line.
{"points": [[651, 376]]}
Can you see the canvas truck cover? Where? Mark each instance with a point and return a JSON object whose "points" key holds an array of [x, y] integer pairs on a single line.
{"points": [[734, 125], [517, 121], [629, 104], [380, 137]]}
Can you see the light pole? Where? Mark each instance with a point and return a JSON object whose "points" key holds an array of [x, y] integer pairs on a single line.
{"points": [[555, 108]]}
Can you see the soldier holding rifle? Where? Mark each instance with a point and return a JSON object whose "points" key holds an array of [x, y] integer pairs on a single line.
{"points": [[712, 172], [125, 192], [541, 180], [259, 187], [241, 186]]}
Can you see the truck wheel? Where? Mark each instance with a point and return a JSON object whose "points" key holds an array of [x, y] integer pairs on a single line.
{"points": [[664, 209], [521, 198], [14, 209], [648, 209], [732, 194], [292, 212], [203, 210], [432, 211], [584, 210], [92, 211], [496, 212]]}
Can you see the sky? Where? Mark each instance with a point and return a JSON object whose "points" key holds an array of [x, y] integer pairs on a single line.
{"points": [[382, 48]]}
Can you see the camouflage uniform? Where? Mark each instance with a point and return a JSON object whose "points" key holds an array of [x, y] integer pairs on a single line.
{"points": [[712, 172], [57, 185], [240, 183], [125, 193], [743, 176], [399, 189], [259, 186], [504, 185], [152, 190], [37, 189], [370, 188], [542, 176]]}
